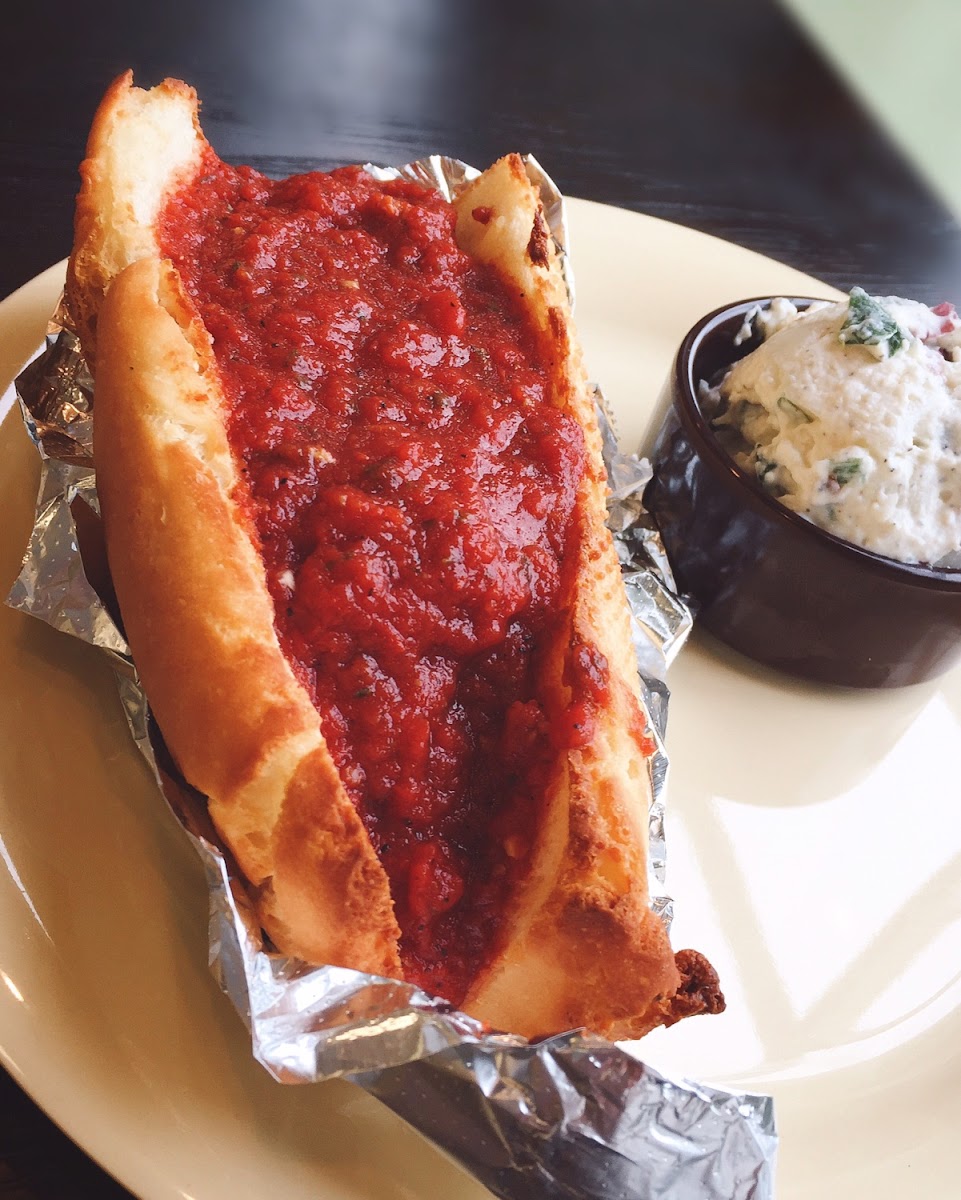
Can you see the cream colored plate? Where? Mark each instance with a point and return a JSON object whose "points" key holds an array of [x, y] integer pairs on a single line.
{"points": [[815, 856]]}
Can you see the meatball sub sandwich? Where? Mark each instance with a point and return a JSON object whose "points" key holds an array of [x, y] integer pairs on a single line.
{"points": [[354, 504]]}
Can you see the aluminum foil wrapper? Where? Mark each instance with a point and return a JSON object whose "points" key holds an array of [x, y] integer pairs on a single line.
{"points": [[570, 1116]]}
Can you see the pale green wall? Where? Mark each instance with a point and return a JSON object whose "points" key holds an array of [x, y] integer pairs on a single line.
{"points": [[903, 59]]}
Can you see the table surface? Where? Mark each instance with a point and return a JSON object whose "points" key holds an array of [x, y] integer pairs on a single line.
{"points": [[717, 116]]}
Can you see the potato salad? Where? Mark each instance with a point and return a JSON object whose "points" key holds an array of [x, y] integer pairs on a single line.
{"points": [[850, 415]]}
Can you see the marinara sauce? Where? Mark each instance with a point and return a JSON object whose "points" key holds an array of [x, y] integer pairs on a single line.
{"points": [[412, 488]]}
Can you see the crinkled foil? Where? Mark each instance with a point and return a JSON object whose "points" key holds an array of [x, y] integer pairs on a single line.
{"points": [[571, 1116]]}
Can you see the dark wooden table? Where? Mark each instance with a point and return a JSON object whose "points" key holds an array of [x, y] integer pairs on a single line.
{"points": [[717, 116]]}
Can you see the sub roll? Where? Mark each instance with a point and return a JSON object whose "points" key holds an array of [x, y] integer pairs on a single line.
{"points": [[353, 500]]}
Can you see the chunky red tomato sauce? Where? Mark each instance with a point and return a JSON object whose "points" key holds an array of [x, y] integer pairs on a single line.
{"points": [[412, 488]]}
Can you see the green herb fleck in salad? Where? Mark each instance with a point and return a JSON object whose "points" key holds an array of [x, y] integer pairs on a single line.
{"points": [[870, 324], [794, 410], [764, 469], [843, 471]]}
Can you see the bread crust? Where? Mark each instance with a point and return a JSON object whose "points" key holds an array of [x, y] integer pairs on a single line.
{"points": [[581, 946], [198, 615], [584, 946], [136, 151]]}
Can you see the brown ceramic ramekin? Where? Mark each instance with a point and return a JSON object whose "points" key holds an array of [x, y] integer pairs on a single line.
{"points": [[769, 583]]}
